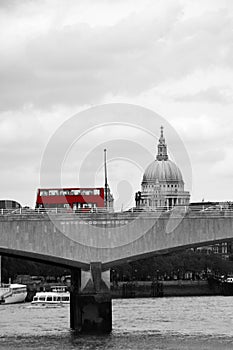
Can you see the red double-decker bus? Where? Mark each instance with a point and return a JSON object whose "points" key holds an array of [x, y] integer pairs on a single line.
{"points": [[80, 199]]}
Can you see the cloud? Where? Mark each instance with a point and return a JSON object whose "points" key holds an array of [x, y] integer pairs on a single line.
{"points": [[79, 64], [210, 95]]}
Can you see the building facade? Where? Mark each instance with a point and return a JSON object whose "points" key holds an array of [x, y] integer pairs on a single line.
{"points": [[162, 184]]}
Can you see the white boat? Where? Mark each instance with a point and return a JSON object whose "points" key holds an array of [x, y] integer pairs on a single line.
{"points": [[12, 293], [58, 296]]}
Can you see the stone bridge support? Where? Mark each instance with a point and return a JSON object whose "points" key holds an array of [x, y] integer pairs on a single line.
{"points": [[90, 300]]}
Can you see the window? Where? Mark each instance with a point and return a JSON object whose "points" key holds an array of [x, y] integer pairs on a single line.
{"points": [[66, 192], [76, 192], [65, 298], [86, 192], [87, 205], [44, 193], [53, 192]]}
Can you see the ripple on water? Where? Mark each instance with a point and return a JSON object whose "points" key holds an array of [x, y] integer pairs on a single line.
{"points": [[162, 323]]}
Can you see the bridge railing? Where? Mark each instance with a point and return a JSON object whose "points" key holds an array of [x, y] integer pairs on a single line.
{"points": [[99, 210], [159, 210], [30, 211]]}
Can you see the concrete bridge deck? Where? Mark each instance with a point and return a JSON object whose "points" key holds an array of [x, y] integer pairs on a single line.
{"points": [[110, 238]]}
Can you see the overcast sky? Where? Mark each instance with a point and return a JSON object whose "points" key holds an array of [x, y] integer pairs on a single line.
{"points": [[58, 58]]}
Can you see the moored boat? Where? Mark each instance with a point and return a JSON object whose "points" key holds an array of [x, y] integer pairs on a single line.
{"points": [[12, 293], [227, 286], [56, 297]]}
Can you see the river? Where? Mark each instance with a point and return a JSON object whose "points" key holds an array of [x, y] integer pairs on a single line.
{"points": [[192, 323]]}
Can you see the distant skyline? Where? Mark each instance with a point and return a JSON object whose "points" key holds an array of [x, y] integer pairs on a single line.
{"points": [[59, 58]]}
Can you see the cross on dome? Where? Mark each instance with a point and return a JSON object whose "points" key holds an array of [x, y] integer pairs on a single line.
{"points": [[161, 131]]}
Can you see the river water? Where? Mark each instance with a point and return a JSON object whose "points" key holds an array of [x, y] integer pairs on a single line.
{"points": [[203, 323]]}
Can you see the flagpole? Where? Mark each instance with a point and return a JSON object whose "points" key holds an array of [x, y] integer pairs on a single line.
{"points": [[105, 177]]}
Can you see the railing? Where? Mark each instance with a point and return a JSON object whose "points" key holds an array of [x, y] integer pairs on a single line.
{"points": [[41, 211], [137, 210]]}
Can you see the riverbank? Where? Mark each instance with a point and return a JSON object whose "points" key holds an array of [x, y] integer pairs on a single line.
{"points": [[164, 289], [146, 289]]}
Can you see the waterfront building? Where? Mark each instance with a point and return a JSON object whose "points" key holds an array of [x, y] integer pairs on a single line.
{"points": [[162, 183]]}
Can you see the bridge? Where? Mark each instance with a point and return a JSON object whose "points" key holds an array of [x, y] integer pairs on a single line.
{"points": [[91, 243]]}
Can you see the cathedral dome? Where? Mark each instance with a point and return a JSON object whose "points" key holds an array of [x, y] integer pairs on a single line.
{"points": [[162, 171], [162, 183]]}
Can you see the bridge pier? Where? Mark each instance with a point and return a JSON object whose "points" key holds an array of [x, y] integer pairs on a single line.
{"points": [[90, 300]]}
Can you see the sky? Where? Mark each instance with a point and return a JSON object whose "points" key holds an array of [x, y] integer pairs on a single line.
{"points": [[61, 58]]}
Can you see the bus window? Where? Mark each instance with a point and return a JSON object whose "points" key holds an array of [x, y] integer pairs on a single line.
{"points": [[76, 192], [87, 192], [53, 193], [87, 205], [43, 193], [66, 192], [78, 205]]}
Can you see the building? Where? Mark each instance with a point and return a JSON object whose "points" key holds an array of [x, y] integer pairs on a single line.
{"points": [[163, 187], [162, 184], [9, 204]]}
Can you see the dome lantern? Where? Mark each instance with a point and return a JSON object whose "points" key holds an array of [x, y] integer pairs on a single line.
{"points": [[162, 147]]}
